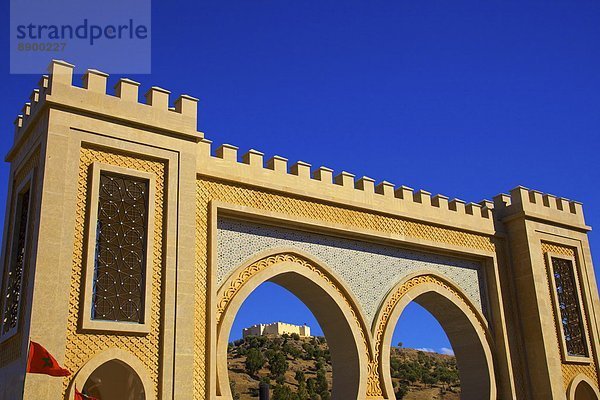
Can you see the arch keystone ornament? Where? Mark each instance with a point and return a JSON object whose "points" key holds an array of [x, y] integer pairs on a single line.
{"points": [[510, 280]]}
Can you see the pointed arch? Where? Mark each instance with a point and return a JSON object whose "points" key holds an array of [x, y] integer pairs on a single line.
{"points": [[331, 303], [582, 388], [462, 322], [119, 356]]}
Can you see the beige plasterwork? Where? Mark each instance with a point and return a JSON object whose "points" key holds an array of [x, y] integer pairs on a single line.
{"points": [[68, 127], [251, 203], [82, 346], [280, 216], [150, 162]]}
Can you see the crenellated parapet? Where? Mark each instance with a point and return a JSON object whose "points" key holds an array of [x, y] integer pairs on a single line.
{"points": [[179, 120], [533, 204], [31, 108], [251, 167], [157, 114]]}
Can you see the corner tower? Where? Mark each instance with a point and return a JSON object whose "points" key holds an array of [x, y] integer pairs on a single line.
{"points": [[89, 169]]}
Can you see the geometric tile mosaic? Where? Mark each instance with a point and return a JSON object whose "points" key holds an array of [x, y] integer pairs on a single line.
{"points": [[369, 270]]}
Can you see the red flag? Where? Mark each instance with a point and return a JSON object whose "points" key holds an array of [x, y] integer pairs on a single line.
{"points": [[42, 362], [81, 396]]}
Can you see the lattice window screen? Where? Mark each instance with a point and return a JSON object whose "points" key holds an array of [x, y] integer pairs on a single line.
{"points": [[120, 265], [13, 279], [568, 303]]}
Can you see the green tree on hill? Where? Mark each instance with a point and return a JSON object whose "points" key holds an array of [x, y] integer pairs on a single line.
{"points": [[282, 392], [429, 379], [321, 383], [401, 391], [302, 391], [411, 370], [254, 361], [309, 349], [311, 386], [447, 376], [277, 364], [291, 350], [300, 376], [320, 364]]}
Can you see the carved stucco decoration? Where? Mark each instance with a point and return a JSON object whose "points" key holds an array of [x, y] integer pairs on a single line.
{"points": [[82, 346], [369, 270], [396, 296]]}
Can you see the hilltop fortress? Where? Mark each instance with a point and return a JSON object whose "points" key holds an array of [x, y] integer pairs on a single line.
{"points": [[277, 329], [131, 242]]}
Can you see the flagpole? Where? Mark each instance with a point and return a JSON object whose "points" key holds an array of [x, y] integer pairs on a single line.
{"points": [[26, 365]]}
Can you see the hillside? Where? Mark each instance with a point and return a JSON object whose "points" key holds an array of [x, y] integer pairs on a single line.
{"points": [[300, 369]]}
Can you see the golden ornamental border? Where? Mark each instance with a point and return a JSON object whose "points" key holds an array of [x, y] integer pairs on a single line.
{"points": [[83, 345], [235, 285]]}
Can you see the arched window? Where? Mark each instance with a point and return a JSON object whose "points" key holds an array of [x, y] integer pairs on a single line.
{"points": [[585, 392]]}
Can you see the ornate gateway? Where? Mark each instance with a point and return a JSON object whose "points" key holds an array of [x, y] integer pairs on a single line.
{"points": [[131, 244]]}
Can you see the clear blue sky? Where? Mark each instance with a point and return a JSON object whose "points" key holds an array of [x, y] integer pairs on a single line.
{"points": [[463, 98]]}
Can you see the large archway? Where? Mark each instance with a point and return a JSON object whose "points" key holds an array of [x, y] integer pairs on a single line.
{"points": [[292, 358], [422, 361], [114, 380], [462, 323], [323, 294], [113, 374]]}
